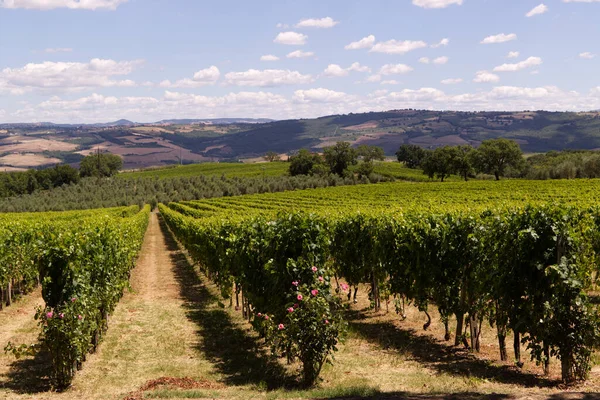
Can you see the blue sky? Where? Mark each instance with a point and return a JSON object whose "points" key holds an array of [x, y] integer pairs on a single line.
{"points": [[146, 60]]}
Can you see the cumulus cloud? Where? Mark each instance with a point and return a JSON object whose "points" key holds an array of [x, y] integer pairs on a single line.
{"points": [[436, 3], [424, 60], [373, 78], [443, 42], [269, 57], [587, 55], [512, 54], [441, 60], [72, 4], [451, 81], [326, 22], [300, 54], [63, 76], [364, 43], [267, 78], [320, 95], [291, 38], [500, 38], [530, 62], [395, 69], [334, 70], [541, 9], [486, 77], [397, 46], [390, 82], [204, 77]]}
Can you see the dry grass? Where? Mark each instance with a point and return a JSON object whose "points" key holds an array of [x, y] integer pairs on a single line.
{"points": [[27, 160]]}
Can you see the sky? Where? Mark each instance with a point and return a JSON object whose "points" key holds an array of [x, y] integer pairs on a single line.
{"points": [[85, 61]]}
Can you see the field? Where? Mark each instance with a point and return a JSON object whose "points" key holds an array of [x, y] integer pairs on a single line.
{"points": [[185, 331]]}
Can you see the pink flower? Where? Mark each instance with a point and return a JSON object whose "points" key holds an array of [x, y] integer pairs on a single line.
{"points": [[314, 269], [314, 292], [79, 317], [266, 317], [321, 279], [344, 287], [296, 305], [290, 310], [259, 315], [61, 315], [326, 322], [299, 297], [74, 299], [49, 314], [280, 327], [295, 283]]}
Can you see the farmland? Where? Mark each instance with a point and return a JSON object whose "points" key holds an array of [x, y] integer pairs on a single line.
{"points": [[199, 314]]}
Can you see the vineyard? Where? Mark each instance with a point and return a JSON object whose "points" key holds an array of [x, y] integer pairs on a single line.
{"points": [[82, 261], [521, 256]]}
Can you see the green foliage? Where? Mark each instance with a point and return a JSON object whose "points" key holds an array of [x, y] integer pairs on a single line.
{"points": [[305, 163], [440, 163], [20, 183], [494, 156], [370, 153], [271, 156], [100, 165], [411, 155], [339, 157]]}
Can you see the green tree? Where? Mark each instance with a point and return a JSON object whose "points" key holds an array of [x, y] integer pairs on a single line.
{"points": [[340, 157], [100, 165], [494, 156], [368, 155], [305, 163], [440, 163], [271, 156], [411, 155], [463, 161]]}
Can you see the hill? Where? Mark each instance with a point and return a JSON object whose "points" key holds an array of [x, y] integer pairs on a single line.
{"points": [[192, 140]]}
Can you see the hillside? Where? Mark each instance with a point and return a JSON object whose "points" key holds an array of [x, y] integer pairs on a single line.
{"points": [[192, 141]]}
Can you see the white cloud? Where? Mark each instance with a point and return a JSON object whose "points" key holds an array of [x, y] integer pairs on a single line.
{"points": [[581, 1], [541, 9], [269, 57], [587, 55], [451, 81], [359, 68], [300, 54], [282, 25], [500, 38], [485, 77], [335, 70], [512, 54], [326, 22], [58, 50], [52, 4], [204, 77], [373, 78], [436, 3], [320, 95], [395, 69], [441, 60], [424, 60], [390, 82], [364, 43], [63, 76], [267, 78], [443, 42], [397, 46], [291, 38], [530, 62]]}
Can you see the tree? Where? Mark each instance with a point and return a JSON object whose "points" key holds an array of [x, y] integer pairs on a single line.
{"points": [[304, 163], [340, 157], [271, 156], [100, 165], [463, 161], [440, 163], [411, 155], [370, 153], [495, 155]]}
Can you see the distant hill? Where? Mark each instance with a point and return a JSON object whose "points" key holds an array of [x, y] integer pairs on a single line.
{"points": [[198, 140]]}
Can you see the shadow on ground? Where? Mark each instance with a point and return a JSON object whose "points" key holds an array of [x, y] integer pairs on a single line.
{"points": [[440, 356], [470, 396], [29, 375], [236, 355]]}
